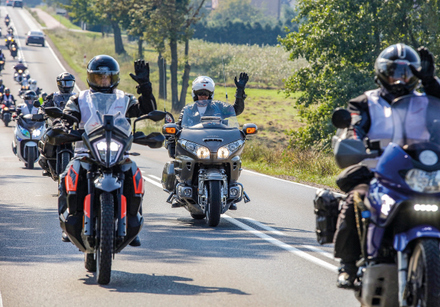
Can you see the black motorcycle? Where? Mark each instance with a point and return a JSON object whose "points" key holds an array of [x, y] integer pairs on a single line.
{"points": [[6, 113], [13, 50], [2, 65], [110, 218], [203, 178]]}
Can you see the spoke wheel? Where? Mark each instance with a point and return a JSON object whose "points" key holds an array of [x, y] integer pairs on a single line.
{"points": [[424, 275], [104, 252]]}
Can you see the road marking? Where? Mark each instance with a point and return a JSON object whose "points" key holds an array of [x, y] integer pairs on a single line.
{"points": [[270, 239], [155, 177], [284, 180], [283, 245]]}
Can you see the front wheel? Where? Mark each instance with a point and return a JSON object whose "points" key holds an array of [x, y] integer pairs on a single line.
{"points": [[214, 209], [105, 249], [30, 158], [424, 274]]}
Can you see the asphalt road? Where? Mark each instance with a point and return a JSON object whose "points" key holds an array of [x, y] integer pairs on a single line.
{"points": [[263, 254]]}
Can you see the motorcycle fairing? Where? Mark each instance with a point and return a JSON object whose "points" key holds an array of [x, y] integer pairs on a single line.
{"points": [[107, 182], [401, 240], [71, 180], [138, 182]]}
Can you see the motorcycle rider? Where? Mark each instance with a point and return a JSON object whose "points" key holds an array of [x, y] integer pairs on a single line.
{"points": [[42, 98], [2, 86], [65, 84], [20, 66], [8, 96], [27, 107], [398, 70], [34, 87], [103, 77], [2, 58]]}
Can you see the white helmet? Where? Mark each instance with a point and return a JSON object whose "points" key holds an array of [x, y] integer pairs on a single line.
{"points": [[203, 83], [33, 84]]}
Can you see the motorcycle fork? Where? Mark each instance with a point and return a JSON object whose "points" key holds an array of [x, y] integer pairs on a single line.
{"points": [[88, 207], [122, 209], [203, 191], [402, 269]]}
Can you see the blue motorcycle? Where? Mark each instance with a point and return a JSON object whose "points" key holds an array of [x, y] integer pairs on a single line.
{"points": [[398, 222]]}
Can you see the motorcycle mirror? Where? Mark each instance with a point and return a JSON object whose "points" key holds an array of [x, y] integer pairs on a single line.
{"points": [[250, 129], [341, 118], [153, 140], [156, 115]]}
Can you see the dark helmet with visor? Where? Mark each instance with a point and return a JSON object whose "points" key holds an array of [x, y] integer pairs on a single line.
{"points": [[103, 73], [65, 82], [393, 72], [30, 96]]}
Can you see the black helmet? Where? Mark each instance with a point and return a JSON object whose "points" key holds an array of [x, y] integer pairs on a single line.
{"points": [[65, 82], [393, 72], [103, 73], [7, 91], [44, 95], [30, 95]]}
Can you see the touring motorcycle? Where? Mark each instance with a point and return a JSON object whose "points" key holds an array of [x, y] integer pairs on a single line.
{"points": [[110, 217], [399, 219], [27, 133], [203, 178]]}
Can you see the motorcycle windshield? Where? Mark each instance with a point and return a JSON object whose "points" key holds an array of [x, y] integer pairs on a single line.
{"points": [[107, 104], [416, 120], [209, 114]]}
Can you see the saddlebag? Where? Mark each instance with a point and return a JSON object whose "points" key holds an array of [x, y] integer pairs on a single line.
{"points": [[326, 210]]}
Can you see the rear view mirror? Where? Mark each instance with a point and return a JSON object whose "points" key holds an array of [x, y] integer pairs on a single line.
{"points": [[341, 118], [153, 140], [250, 129]]}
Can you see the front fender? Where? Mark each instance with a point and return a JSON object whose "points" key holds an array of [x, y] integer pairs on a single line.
{"points": [[107, 183], [401, 240]]}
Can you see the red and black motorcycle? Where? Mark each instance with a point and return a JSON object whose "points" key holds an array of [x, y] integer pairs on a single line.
{"points": [[110, 183]]}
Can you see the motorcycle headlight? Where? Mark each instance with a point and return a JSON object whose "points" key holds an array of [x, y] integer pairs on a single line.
{"points": [[115, 149], [227, 150], [200, 151], [37, 132], [423, 182], [24, 132], [5, 109]]}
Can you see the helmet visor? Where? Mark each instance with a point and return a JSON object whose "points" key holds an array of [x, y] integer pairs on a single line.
{"points": [[397, 72], [100, 79], [64, 83], [203, 93]]}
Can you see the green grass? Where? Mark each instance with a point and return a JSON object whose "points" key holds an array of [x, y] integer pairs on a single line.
{"points": [[266, 105]]}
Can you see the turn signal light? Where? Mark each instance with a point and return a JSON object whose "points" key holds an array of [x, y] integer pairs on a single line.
{"points": [[251, 130], [170, 130]]}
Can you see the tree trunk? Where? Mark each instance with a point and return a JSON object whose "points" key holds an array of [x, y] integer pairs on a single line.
{"points": [[140, 49], [119, 46], [162, 64], [173, 70], [185, 77]]}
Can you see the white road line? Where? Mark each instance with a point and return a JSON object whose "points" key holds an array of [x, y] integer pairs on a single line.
{"points": [[284, 180], [283, 245], [268, 228], [157, 184], [155, 177], [320, 251]]}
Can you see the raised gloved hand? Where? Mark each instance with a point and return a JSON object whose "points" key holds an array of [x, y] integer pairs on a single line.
{"points": [[241, 83], [142, 72], [427, 66]]}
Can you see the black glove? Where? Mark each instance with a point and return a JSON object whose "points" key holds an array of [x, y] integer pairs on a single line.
{"points": [[60, 125], [142, 71], [241, 83], [427, 66]]}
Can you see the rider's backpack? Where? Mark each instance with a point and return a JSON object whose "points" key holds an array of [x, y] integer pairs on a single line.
{"points": [[326, 205]]}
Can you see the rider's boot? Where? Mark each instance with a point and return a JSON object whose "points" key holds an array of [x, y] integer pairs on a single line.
{"points": [[347, 275]]}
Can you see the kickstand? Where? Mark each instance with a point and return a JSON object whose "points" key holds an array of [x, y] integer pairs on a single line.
{"points": [[246, 197]]}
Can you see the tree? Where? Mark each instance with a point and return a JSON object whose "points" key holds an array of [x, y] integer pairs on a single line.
{"points": [[237, 10], [341, 39]]}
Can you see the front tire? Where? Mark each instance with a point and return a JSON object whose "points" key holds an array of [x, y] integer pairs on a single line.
{"points": [[105, 248], [424, 274], [214, 209], [30, 158]]}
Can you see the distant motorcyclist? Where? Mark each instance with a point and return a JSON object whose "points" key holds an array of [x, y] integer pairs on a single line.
{"points": [[42, 98], [398, 70], [2, 87], [7, 96], [65, 84], [103, 77], [27, 107], [202, 91], [34, 87], [20, 66]]}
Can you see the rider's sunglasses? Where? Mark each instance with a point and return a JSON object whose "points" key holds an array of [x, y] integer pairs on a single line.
{"points": [[203, 93]]}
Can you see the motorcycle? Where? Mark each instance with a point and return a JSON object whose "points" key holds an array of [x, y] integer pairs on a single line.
{"points": [[25, 86], [8, 40], [7, 21], [398, 222], [2, 65], [20, 75], [203, 178], [26, 136], [13, 50], [6, 113], [110, 218]]}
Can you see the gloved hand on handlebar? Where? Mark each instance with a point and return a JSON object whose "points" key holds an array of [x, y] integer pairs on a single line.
{"points": [[427, 66], [142, 72], [60, 125], [243, 79]]}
